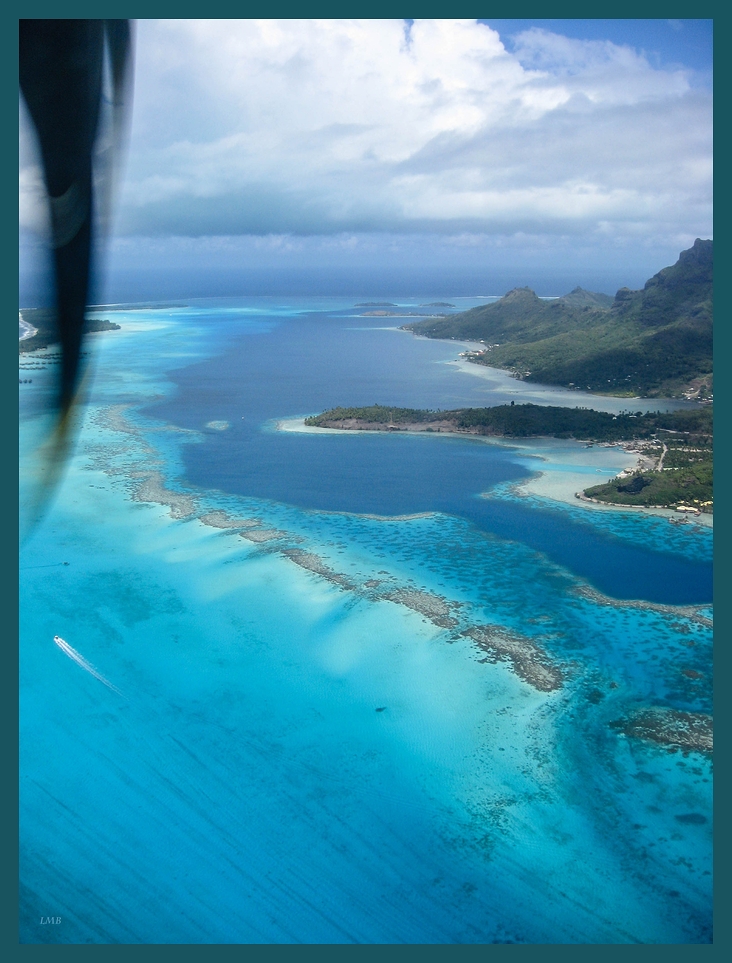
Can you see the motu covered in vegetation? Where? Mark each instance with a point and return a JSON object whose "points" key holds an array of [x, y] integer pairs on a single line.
{"points": [[44, 321]]}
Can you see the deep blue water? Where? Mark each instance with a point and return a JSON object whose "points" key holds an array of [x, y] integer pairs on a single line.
{"points": [[306, 363]]}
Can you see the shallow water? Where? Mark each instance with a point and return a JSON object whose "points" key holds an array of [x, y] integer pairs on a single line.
{"points": [[304, 746]]}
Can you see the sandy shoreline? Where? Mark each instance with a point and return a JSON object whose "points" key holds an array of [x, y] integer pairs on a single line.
{"points": [[536, 392], [27, 328], [561, 468]]}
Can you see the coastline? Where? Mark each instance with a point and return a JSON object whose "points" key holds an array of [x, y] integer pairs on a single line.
{"points": [[28, 330], [539, 393], [562, 467], [566, 486]]}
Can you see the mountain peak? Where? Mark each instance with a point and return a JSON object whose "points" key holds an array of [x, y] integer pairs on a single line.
{"points": [[522, 294], [701, 253]]}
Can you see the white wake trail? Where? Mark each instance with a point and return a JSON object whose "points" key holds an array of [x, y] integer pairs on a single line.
{"points": [[80, 660]]}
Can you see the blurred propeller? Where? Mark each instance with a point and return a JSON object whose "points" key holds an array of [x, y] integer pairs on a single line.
{"points": [[62, 79]]}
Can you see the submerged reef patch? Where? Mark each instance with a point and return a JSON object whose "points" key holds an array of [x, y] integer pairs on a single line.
{"points": [[264, 534], [527, 660], [224, 520], [693, 613], [675, 730], [152, 489], [435, 608], [314, 563], [113, 418]]}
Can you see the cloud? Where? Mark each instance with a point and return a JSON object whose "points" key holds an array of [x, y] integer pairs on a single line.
{"points": [[319, 127]]}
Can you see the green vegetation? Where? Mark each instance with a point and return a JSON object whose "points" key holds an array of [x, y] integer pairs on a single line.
{"points": [[520, 316], [375, 414], [685, 476], [680, 442], [525, 421], [654, 342], [44, 320], [690, 486]]}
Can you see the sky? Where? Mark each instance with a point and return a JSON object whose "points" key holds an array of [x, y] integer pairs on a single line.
{"points": [[391, 156]]}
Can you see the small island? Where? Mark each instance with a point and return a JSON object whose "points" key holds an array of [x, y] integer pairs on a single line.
{"points": [[676, 446], [397, 314], [42, 321]]}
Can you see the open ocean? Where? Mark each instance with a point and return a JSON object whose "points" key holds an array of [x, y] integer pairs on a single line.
{"points": [[361, 688]]}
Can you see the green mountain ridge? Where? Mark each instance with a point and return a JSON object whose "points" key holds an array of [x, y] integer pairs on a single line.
{"points": [[652, 342]]}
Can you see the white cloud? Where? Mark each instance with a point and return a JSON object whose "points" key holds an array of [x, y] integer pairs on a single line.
{"points": [[339, 127]]}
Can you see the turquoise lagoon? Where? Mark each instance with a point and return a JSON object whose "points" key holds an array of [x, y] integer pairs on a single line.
{"points": [[370, 688]]}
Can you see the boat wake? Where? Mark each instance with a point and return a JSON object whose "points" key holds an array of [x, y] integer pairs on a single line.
{"points": [[80, 660]]}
